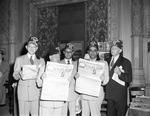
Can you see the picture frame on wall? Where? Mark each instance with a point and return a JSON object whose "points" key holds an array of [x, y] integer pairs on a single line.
{"points": [[100, 46], [106, 47]]}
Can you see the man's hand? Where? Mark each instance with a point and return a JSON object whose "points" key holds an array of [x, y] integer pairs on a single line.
{"points": [[117, 70], [102, 77], [39, 82], [77, 75], [18, 75], [43, 76]]}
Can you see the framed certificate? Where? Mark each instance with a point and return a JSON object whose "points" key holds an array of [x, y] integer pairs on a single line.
{"points": [[106, 47], [100, 46]]}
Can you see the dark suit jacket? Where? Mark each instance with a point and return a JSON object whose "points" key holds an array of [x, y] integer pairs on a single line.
{"points": [[114, 90]]}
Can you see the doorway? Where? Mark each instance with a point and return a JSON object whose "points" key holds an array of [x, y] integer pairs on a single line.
{"points": [[71, 22]]}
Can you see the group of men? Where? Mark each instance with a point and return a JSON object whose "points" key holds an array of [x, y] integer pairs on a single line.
{"points": [[115, 79]]}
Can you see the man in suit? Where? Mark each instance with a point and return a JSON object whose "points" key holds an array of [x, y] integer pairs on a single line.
{"points": [[70, 104], [28, 92], [120, 77], [91, 105]]}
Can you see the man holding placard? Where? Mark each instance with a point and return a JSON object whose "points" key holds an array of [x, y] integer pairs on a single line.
{"points": [[26, 70], [92, 75]]}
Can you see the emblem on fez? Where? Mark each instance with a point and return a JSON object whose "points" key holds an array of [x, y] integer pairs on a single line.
{"points": [[70, 45], [93, 43], [34, 40], [58, 49], [115, 42]]}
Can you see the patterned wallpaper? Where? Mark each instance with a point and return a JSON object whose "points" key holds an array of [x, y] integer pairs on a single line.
{"points": [[97, 24], [4, 20], [47, 29], [47, 24], [4, 27]]}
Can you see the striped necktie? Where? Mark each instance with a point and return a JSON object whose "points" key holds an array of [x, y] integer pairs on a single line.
{"points": [[112, 63], [68, 62], [31, 60]]}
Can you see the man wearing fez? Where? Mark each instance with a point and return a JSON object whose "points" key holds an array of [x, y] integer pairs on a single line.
{"points": [[120, 74], [4, 70], [70, 104], [28, 92], [91, 105]]}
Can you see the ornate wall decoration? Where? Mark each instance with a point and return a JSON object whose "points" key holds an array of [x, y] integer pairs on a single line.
{"points": [[47, 28], [137, 17], [4, 26], [13, 20], [146, 25], [26, 23], [4, 21], [97, 21], [114, 18], [45, 16], [55, 2]]}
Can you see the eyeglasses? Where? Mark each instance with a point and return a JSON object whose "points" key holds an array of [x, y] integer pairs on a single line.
{"points": [[69, 52], [32, 47]]}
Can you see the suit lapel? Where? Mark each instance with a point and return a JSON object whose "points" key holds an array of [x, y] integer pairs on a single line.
{"points": [[26, 59], [117, 63], [37, 61]]}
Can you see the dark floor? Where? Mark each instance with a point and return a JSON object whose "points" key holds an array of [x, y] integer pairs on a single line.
{"points": [[5, 110]]}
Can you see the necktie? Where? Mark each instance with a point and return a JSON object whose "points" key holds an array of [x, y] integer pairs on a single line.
{"points": [[112, 63], [68, 62], [31, 60]]}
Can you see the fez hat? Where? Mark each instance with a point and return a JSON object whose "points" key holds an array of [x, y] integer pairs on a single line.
{"points": [[33, 40], [117, 43], [69, 46], [93, 44]]}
